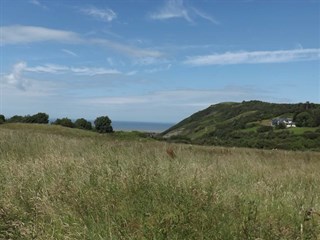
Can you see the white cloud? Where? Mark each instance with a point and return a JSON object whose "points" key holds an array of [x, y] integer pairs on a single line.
{"points": [[177, 9], [280, 56], [106, 15], [15, 78], [58, 69], [159, 69], [69, 52], [128, 50], [26, 34], [93, 71], [144, 61], [172, 9], [47, 68], [37, 3], [131, 73], [116, 100], [204, 16]]}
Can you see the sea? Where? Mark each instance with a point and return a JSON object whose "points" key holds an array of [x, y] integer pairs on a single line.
{"points": [[135, 126], [140, 126]]}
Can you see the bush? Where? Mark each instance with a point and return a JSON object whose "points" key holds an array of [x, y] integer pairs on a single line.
{"points": [[103, 124], [65, 122], [251, 125], [311, 135], [83, 124], [263, 129], [281, 126]]}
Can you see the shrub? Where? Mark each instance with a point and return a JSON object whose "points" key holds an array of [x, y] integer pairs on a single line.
{"points": [[263, 129], [311, 135], [281, 126]]}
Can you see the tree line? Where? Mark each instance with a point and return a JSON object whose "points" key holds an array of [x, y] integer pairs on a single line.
{"points": [[101, 124]]}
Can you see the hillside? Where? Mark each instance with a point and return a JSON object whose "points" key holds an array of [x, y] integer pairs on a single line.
{"points": [[62, 183], [248, 124]]}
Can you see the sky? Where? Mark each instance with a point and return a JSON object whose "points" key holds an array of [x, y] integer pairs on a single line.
{"points": [[155, 60]]}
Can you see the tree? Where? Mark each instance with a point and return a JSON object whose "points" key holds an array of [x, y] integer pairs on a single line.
{"points": [[103, 124], [16, 119], [2, 119], [41, 118], [83, 124], [316, 117], [304, 119], [65, 122]]}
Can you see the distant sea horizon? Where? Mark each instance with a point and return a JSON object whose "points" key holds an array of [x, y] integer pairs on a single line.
{"points": [[135, 125]]}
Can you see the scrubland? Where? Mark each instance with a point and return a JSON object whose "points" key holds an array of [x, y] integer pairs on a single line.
{"points": [[59, 183]]}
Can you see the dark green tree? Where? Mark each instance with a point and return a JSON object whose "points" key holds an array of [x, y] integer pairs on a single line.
{"points": [[103, 124], [41, 118], [83, 124], [304, 119], [65, 122], [316, 117], [16, 119], [2, 119]]}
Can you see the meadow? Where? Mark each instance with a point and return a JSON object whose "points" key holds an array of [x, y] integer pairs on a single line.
{"points": [[61, 183]]}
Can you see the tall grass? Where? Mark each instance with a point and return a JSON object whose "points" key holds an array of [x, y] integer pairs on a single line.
{"points": [[58, 183]]}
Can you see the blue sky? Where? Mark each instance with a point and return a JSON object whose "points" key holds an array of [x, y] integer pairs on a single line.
{"points": [[159, 60]]}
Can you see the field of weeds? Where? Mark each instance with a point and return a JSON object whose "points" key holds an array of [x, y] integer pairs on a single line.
{"points": [[58, 183]]}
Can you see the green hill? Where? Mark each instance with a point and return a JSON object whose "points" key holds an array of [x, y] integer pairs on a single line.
{"points": [[248, 124]]}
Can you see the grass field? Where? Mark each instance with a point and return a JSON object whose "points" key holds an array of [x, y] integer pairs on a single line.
{"points": [[59, 183]]}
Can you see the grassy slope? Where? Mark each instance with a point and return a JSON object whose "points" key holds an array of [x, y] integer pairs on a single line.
{"points": [[59, 183], [223, 123], [205, 121]]}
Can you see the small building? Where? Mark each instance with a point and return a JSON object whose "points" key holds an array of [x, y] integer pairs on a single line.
{"points": [[286, 121]]}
